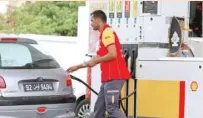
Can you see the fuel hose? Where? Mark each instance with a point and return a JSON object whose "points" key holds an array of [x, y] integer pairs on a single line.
{"points": [[120, 100]]}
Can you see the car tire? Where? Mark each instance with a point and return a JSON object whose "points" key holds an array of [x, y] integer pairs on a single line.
{"points": [[83, 109]]}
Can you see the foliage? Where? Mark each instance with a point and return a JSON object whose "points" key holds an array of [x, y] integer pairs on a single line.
{"points": [[43, 17]]}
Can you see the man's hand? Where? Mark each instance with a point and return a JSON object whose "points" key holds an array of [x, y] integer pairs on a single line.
{"points": [[90, 63], [72, 69]]}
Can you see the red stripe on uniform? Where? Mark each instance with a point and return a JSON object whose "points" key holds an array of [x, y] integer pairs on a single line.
{"points": [[182, 100]]}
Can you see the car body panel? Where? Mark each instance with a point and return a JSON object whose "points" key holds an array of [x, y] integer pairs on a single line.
{"points": [[30, 111], [15, 88], [30, 78]]}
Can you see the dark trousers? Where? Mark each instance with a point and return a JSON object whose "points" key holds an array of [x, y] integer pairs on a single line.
{"points": [[107, 104]]}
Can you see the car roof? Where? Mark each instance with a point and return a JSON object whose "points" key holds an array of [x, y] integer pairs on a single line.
{"points": [[18, 40]]}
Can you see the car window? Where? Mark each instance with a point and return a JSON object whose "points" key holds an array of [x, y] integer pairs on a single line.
{"points": [[25, 56]]}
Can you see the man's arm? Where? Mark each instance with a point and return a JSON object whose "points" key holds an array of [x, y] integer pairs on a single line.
{"points": [[109, 56], [89, 63], [99, 59], [108, 39]]}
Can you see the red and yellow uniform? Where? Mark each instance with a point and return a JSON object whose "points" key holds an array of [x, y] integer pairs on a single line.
{"points": [[115, 69]]}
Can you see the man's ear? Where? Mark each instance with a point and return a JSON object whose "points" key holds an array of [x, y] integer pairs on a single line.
{"points": [[98, 20]]}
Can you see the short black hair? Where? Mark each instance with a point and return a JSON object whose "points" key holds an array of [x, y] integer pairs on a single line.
{"points": [[100, 14]]}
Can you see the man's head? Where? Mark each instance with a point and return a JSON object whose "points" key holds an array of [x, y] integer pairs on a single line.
{"points": [[98, 19]]}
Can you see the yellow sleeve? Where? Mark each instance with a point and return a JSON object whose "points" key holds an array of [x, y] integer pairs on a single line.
{"points": [[108, 37]]}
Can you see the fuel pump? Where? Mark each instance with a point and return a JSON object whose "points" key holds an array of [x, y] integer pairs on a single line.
{"points": [[134, 50], [130, 52], [124, 91]]}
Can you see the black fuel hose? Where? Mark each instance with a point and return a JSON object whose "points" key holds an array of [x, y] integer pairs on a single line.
{"points": [[79, 80]]}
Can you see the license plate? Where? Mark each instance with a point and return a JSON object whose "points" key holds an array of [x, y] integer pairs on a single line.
{"points": [[38, 87]]}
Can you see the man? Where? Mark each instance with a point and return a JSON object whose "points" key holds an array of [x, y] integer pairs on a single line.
{"points": [[197, 21], [113, 68]]}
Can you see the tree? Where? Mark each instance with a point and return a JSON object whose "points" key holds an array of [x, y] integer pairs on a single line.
{"points": [[59, 18]]}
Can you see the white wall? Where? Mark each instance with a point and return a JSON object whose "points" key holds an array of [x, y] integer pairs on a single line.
{"points": [[196, 45], [3, 6]]}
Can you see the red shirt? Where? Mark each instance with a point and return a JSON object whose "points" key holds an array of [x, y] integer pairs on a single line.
{"points": [[115, 69]]}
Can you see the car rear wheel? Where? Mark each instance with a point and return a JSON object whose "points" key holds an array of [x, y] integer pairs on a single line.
{"points": [[83, 109]]}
